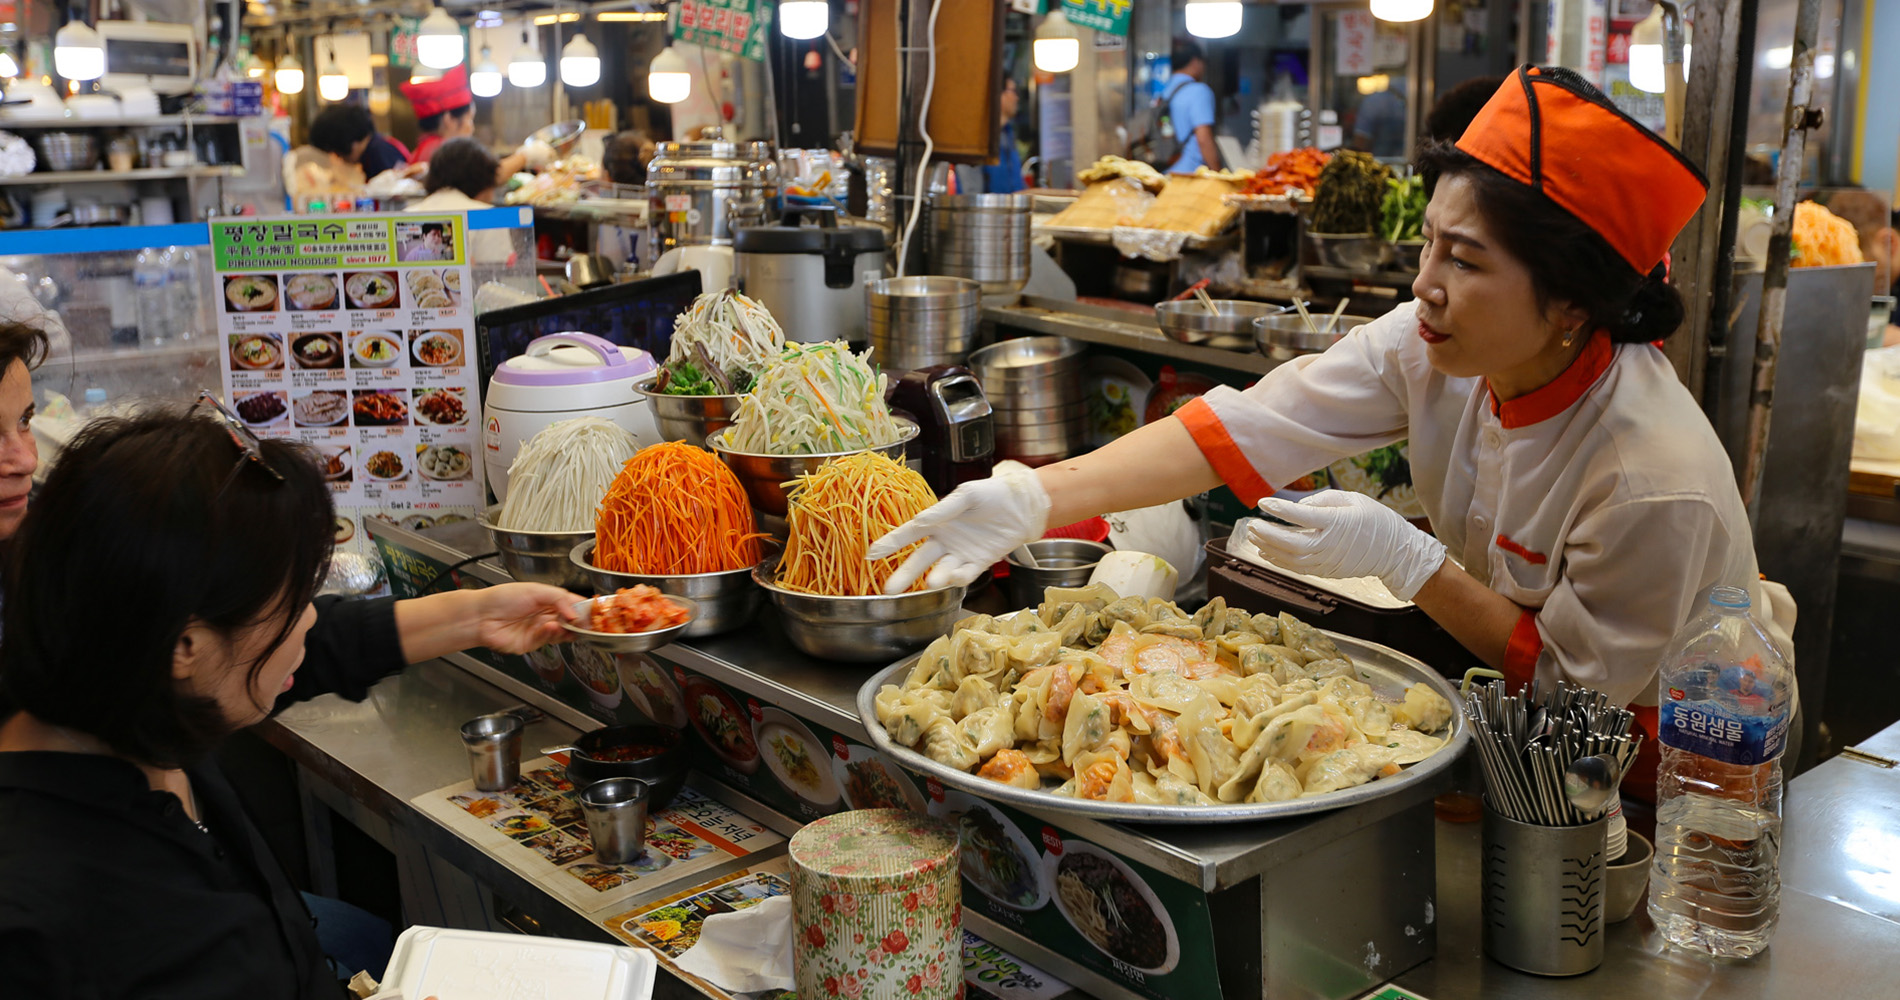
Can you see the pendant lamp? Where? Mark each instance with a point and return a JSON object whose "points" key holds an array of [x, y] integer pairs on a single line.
{"points": [[485, 79], [1058, 49], [803, 19], [289, 75], [1401, 11], [1212, 18], [528, 67], [332, 84], [580, 62], [439, 43], [668, 80], [78, 52]]}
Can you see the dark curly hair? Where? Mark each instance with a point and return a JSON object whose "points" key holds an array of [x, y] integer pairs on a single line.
{"points": [[462, 164]]}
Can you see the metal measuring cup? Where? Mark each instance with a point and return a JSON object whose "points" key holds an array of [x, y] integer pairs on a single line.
{"points": [[616, 812], [494, 750]]}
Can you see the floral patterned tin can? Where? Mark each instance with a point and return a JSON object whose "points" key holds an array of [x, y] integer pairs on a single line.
{"points": [[877, 907]]}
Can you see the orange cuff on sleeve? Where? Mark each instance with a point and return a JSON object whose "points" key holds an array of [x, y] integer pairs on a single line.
{"points": [[1521, 653], [1211, 436]]}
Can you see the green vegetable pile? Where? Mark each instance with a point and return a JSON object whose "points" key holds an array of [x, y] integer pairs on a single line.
{"points": [[684, 378], [1402, 213], [1349, 193]]}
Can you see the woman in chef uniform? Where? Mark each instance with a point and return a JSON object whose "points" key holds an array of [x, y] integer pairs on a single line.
{"points": [[1581, 496]]}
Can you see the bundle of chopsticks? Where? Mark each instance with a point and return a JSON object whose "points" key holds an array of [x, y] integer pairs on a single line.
{"points": [[1527, 742], [1307, 317]]}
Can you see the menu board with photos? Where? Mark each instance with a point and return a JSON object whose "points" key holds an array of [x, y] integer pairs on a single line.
{"points": [[355, 335]]}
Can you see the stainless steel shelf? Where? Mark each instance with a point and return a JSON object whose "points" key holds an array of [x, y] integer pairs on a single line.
{"points": [[1117, 328], [149, 121], [104, 176]]}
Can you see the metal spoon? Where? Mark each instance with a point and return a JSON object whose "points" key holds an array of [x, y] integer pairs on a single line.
{"points": [[1590, 782]]}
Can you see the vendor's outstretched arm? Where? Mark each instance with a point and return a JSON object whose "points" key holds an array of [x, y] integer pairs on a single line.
{"points": [[1152, 465]]}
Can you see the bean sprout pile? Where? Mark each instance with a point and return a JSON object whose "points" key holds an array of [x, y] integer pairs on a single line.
{"points": [[720, 345], [816, 399]]}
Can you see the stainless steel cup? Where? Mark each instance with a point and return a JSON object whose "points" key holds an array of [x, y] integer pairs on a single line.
{"points": [[616, 812], [494, 750], [1544, 890]]}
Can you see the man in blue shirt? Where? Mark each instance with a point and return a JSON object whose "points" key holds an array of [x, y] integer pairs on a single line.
{"points": [[1191, 109], [1007, 176]]}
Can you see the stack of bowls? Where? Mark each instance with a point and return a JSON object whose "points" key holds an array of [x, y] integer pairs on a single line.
{"points": [[1060, 562], [983, 237], [538, 556], [1034, 385], [764, 476], [917, 322], [726, 599], [688, 418]]}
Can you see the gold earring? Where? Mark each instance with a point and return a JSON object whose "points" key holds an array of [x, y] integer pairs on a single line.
{"points": [[1570, 335]]}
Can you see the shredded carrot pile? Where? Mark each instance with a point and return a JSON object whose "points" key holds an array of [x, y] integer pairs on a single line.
{"points": [[675, 509], [1823, 239], [836, 512]]}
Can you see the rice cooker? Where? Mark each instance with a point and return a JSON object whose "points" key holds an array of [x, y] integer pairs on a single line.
{"points": [[563, 376], [812, 277]]}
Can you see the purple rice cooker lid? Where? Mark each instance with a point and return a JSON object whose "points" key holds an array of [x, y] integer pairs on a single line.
{"points": [[574, 358]]}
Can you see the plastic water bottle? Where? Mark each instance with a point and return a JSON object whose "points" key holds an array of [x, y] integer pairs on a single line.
{"points": [[151, 276], [1726, 696], [183, 288]]}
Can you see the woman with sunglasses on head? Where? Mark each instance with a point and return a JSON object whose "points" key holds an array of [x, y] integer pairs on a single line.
{"points": [[1581, 502], [161, 596]]}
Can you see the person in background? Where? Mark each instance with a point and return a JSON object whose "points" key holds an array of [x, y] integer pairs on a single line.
{"points": [[1006, 177], [332, 159], [1191, 109], [1455, 109], [384, 153], [462, 177], [1379, 127], [107, 734], [445, 109], [22, 348], [628, 154]]}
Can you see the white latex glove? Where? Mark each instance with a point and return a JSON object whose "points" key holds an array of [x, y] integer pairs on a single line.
{"points": [[538, 154], [1345, 534], [969, 530]]}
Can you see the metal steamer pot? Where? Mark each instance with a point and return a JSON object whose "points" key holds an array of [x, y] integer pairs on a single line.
{"points": [[811, 277], [702, 191]]}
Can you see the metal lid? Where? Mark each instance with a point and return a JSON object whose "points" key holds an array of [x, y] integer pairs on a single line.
{"points": [[875, 851], [809, 239], [574, 359]]}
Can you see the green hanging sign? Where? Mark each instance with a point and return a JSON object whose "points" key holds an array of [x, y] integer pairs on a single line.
{"points": [[1101, 15], [735, 26]]}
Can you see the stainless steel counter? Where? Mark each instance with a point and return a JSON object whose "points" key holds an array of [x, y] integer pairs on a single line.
{"points": [[1113, 327]]}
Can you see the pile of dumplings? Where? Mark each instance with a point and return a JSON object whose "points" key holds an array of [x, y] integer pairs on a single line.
{"points": [[1096, 696]]}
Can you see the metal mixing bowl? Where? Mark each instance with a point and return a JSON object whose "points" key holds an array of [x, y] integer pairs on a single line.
{"points": [[64, 151], [688, 418], [726, 599], [537, 556], [1229, 327], [1287, 336], [860, 629], [1060, 562], [1365, 253], [764, 476]]}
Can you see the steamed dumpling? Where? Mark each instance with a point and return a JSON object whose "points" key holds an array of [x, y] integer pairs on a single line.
{"points": [[906, 713]]}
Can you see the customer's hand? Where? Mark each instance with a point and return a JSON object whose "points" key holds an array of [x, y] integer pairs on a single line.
{"points": [[1343, 534], [518, 617], [967, 531]]}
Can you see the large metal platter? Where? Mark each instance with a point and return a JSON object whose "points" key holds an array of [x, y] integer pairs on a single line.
{"points": [[1387, 670]]}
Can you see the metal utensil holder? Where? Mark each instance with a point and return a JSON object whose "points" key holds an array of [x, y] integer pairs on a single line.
{"points": [[1544, 889]]}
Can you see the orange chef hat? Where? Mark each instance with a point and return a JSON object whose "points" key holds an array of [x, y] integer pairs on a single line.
{"points": [[445, 93], [1547, 128]]}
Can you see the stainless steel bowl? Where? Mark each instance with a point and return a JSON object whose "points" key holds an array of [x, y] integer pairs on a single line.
{"points": [[560, 135], [860, 629], [764, 476], [1229, 327], [631, 642], [688, 418], [1026, 358], [1287, 336], [726, 599], [64, 151], [537, 556], [1061, 562], [1362, 252]]}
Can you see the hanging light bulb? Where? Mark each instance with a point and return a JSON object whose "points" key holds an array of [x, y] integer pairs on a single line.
{"points": [[8, 67], [1058, 49], [1212, 18], [289, 75], [1646, 53], [528, 67], [1401, 10], [485, 80], [332, 85], [78, 52], [580, 62], [803, 18], [668, 81], [439, 42]]}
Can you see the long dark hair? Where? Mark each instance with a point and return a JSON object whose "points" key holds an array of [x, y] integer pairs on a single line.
{"points": [[1567, 260], [141, 530]]}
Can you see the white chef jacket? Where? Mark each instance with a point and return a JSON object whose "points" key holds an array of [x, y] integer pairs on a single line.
{"points": [[1602, 502]]}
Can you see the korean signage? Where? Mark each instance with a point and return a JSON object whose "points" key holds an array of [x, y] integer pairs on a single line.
{"points": [[735, 26], [1356, 31], [1110, 16], [354, 335]]}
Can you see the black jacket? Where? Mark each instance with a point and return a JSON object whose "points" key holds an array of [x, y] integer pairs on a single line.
{"points": [[108, 890]]}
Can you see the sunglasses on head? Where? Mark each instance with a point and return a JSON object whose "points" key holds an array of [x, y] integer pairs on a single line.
{"points": [[251, 449]]}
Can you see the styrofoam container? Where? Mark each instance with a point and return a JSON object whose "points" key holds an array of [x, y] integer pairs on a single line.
{"points": [[479, 965]]}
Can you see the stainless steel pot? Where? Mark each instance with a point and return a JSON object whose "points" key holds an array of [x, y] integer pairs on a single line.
{"points": [[811, 277], [916, 322], [701, 191], [1034, 385], [983, 237], [875, 629], [538, 556]]}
